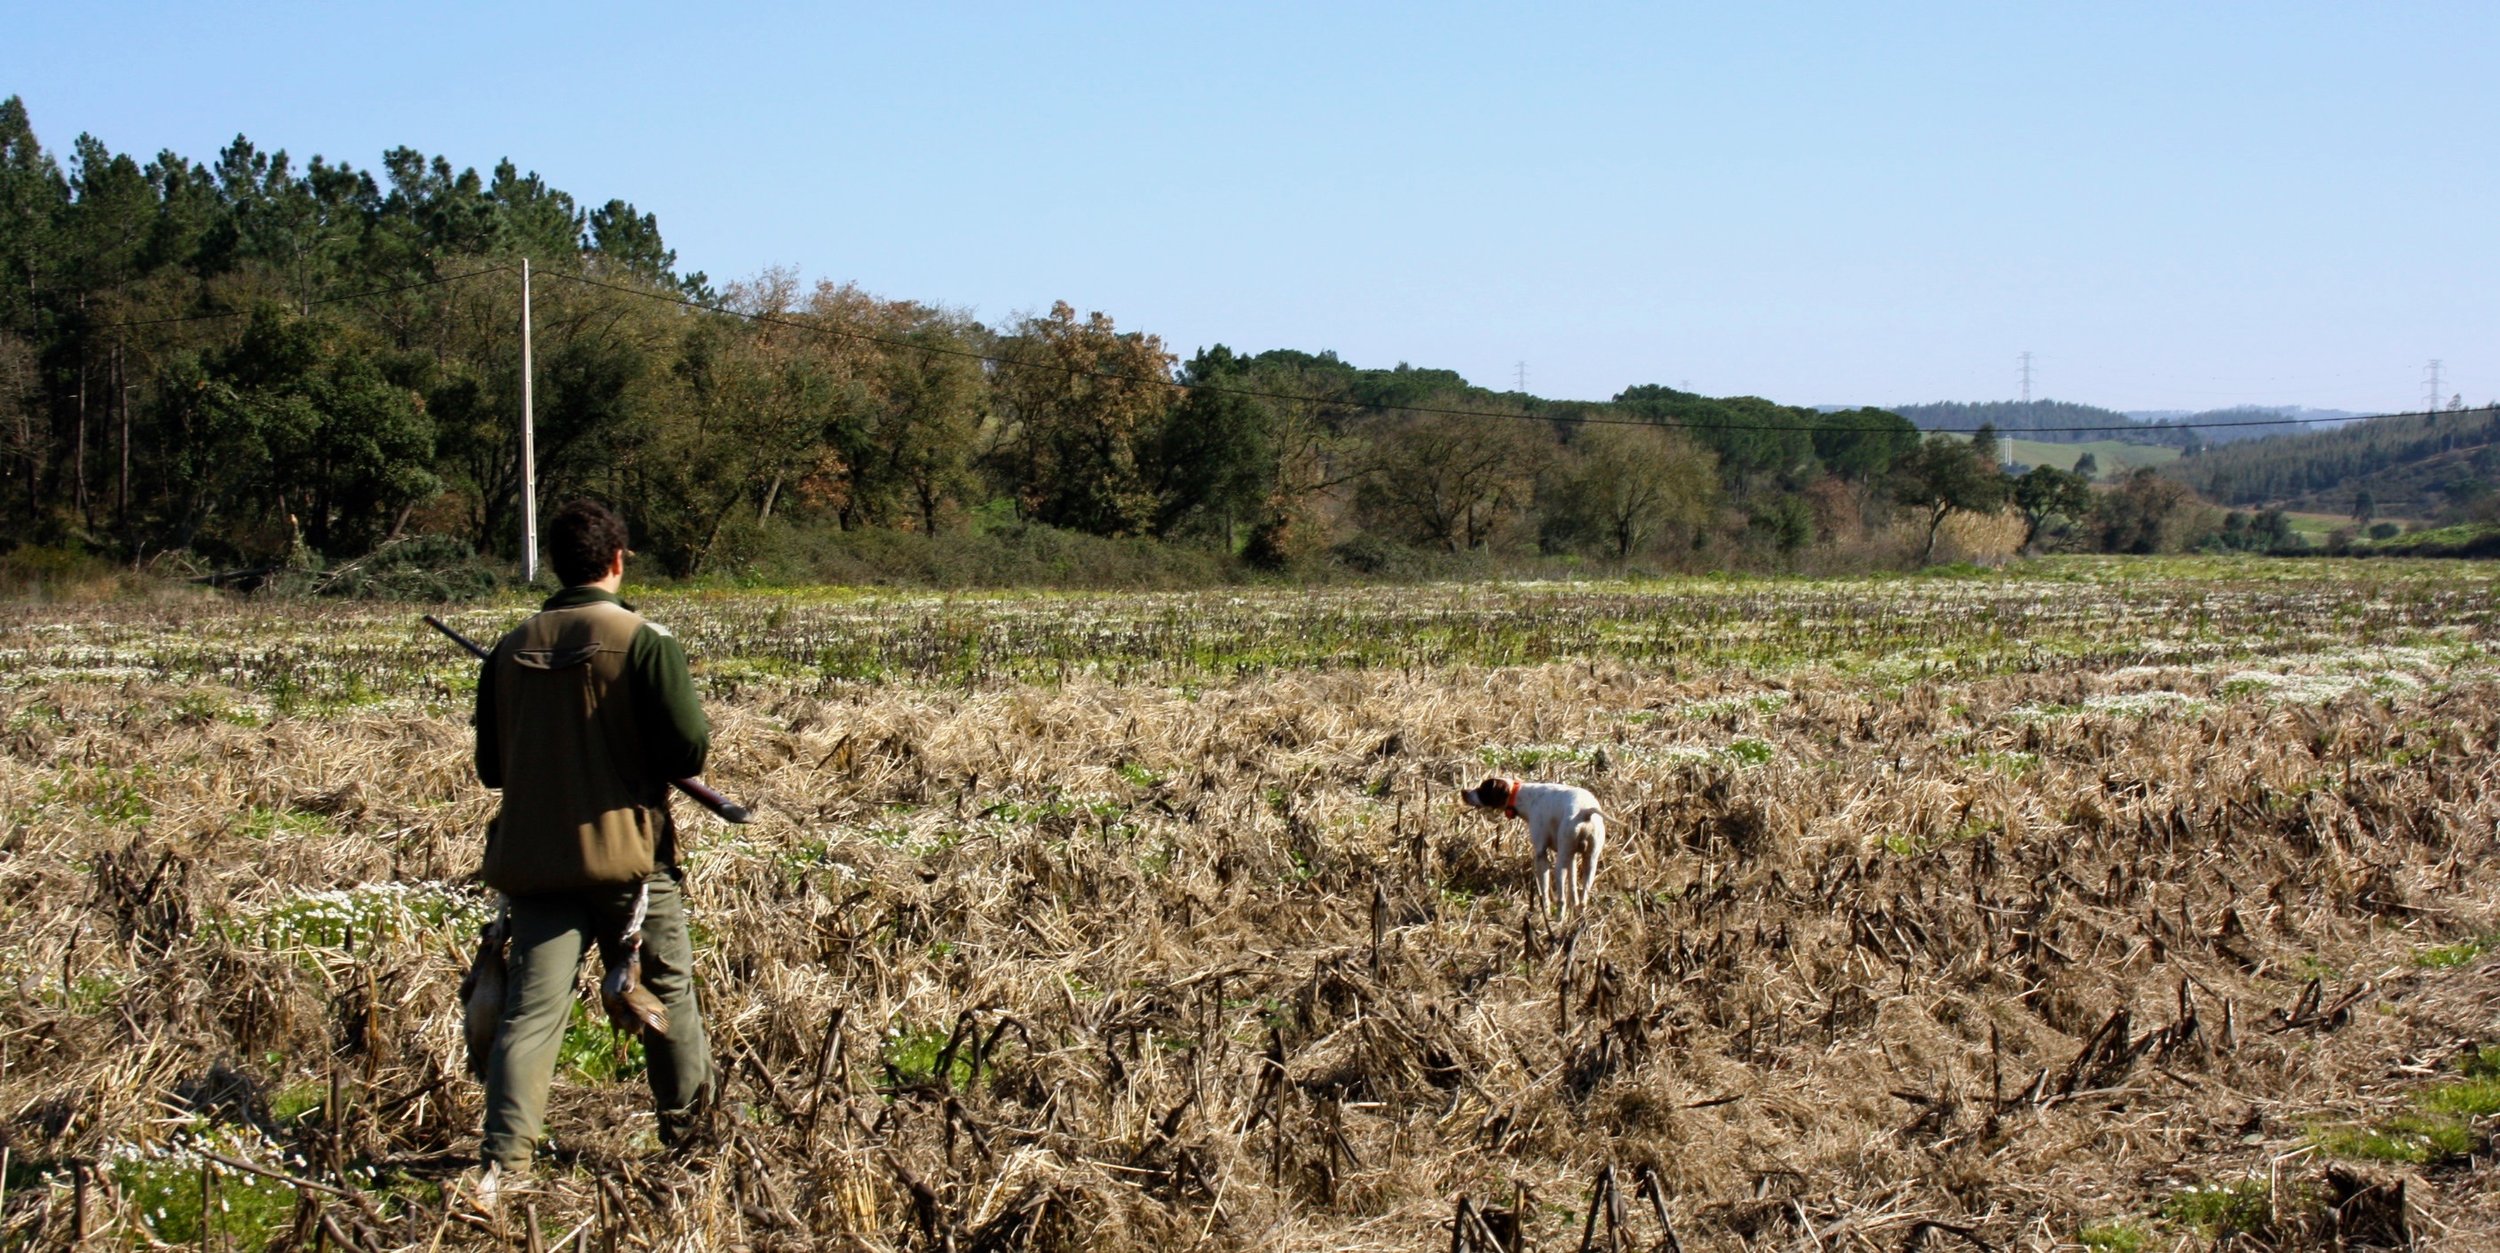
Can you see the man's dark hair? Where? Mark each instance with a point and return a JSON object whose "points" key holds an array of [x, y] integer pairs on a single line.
{"points": [[582, 539]]}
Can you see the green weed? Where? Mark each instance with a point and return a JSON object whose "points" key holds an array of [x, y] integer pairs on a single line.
{"points": [[1529, 757], [2441, 1125], [1751, 752], [2114, 1237], [596, 1052], [2220, 1210], [2409, 1138], [2461, 953], [2012, 764], [912, 1054]]}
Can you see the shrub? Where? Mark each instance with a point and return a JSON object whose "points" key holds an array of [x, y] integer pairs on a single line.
{"points": [[57, 574]]}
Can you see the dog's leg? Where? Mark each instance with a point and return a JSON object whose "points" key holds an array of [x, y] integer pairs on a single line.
{"points": [[1592, 845], [1565, 849], [1562, 870], [1540, 865]]}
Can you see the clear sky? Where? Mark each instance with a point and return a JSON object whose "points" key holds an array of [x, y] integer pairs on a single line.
{"points": [[2171, 205]]}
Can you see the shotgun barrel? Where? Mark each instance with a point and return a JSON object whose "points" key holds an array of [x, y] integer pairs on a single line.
{"points": [[721, 806]]}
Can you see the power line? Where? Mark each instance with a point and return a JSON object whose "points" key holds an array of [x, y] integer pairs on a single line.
{"points": [[1110, 376]]}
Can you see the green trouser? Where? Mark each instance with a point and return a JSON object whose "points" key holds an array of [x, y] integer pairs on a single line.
{"points": [[550, 934]]}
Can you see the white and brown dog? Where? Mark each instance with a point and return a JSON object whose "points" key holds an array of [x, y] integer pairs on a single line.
{"points": [[1566, 833]]}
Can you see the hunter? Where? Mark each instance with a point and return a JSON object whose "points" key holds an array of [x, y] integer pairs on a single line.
{"points": [[585, 711]]}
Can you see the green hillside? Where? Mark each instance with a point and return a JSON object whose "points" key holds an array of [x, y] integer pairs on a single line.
{"points": [[2412, 466]]}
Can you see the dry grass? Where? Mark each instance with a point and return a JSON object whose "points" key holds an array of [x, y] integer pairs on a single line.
{"points": [[1891, 951]]}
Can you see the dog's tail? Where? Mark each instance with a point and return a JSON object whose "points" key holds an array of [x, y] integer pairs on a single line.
{"points": [[1586, 824]]}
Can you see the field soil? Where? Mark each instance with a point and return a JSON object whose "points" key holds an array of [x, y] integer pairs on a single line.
{"points": [[2097, 905]]}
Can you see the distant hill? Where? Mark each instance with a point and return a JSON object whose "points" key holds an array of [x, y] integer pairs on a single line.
{"points": [[2169, 428], [2412, 466], [2051, 421], [2243, 422]]}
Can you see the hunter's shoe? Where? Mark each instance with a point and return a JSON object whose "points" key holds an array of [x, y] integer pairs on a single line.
{"points": [[690, 1133]]}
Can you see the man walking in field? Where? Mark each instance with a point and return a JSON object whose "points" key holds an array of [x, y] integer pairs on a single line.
{"points": [[585, 711]]}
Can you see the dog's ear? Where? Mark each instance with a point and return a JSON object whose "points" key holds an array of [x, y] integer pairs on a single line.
{"points": [[1495, 790]]}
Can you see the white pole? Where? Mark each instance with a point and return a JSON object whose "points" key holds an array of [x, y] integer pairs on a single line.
{"points": [[529, 446]]}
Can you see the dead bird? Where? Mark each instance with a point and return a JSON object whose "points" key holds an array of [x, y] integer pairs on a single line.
{"points": [[481, 993], [630, 1005]]}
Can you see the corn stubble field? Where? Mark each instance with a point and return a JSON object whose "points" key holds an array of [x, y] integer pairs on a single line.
{"points": [[2097, 906]]}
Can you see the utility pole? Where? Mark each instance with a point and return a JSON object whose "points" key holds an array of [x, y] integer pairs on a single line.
{"points": [[2430, 389], [529, 443], [1522, 377], [2026, 360]]}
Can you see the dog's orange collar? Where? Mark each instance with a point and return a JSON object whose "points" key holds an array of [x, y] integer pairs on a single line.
{"points": [[1510, 806]]}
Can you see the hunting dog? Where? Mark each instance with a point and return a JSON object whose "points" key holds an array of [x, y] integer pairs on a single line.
{"points": [[1566, 833]]}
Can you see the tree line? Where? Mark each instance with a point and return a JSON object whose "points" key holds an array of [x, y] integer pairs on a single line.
{"points": [[248, 360], [2065, 422], [2441, 466]]}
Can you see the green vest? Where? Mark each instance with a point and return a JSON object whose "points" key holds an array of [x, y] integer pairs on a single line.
{"points": [[577, 812]]}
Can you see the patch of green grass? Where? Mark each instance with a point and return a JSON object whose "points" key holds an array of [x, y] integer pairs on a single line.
{"points": [[1138, 776], [1535, 756], [2440, 1127], [2112, 456], [2014, 764], [1751, 752], [2219, 1210], [2412, 1139], [205, 705], [112, 797], [1301, 870], [913, 1054], [164, 1195], [2461, 953], [90, 993], [49, 717], [176, 1197], [596, 1052], [2476, 1096], [2119, 1236], [291, 1103], [1914, 844], [1707, 710]]}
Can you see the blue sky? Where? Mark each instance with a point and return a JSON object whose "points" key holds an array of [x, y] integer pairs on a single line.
{"points": [[2169, 205]]}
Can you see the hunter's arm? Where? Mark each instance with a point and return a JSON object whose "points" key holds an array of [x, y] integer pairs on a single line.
{"points": [[489, 734], [676, 737]]}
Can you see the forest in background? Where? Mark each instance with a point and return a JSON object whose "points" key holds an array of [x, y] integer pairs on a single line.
{"points": [[250, 364], [2442, 465]]}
